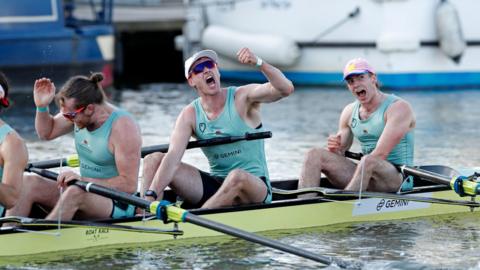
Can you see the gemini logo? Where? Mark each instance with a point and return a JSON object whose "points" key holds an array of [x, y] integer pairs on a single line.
{"points": [[391, 204], [380, 204]]}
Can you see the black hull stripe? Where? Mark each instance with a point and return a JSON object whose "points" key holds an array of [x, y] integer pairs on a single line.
{"points": [[368, 44]]}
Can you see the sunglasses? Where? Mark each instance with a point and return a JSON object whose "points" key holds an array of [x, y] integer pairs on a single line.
{"points": [[71, 115], [200, 67]]}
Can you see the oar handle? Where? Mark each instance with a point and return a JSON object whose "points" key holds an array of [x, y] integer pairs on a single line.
{"points": [[353, 155]]}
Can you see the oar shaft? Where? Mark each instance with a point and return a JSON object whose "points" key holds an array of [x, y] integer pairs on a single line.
{"points": [[73, 160], [424, 174], [97, 189], [431, 176], [203, 222], [51, 163], [209, 142]]}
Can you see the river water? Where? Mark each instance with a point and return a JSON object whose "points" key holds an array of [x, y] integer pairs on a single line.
{"points": [[446, 134]]}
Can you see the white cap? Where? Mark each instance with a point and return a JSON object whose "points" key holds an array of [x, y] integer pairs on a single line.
{"points": [[205, 53]]}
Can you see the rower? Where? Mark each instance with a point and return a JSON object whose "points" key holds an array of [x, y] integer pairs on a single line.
{"points": [[13, 156], [108, 143], [382, 123], [238, 171]]}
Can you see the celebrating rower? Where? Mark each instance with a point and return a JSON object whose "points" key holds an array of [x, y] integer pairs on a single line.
{"points": [[13, 156], [238, 171], [382, 123], [108, 143]]}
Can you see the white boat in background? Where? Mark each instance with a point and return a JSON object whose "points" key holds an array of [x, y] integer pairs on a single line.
{"points": [[411, 43]]}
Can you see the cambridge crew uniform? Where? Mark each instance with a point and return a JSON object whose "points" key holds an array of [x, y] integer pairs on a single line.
{"points": [[246, 155], [4, 131], [96, 160], [368, 132]]}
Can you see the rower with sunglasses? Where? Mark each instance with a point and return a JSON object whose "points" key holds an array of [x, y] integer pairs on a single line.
{"points": [[108, 143], [238, 171]]}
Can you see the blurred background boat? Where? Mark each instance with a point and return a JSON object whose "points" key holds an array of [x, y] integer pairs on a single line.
{"points": [[49, 38], [412, 44]]}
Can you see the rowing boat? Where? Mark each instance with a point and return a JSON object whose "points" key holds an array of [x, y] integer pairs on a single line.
{"points": [[286, 212]]}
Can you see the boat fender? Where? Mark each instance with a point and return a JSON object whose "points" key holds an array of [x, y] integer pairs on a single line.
{"points": [[449, 30], [275, 49]]}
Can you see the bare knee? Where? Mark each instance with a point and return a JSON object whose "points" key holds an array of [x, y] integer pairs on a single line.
{"points": [[370, 162], [152, 161], [317, 157], [73, 195], [236, 179]]}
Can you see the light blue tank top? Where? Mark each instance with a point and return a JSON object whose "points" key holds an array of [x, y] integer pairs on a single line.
{"points": [[246, 155], [368, 132], [96, 160], [4, 130]]}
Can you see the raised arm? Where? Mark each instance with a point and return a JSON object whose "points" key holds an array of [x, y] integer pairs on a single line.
{"points": [[179, 138], [15, 158], [399, 119], [47, 126], [277, 87]]}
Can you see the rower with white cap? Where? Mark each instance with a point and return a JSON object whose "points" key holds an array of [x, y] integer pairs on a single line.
{"points": [[238, 171]]}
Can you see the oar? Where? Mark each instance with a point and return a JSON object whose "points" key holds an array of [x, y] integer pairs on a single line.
{"points": [[72, 160], [469, 187], [166, 211]]}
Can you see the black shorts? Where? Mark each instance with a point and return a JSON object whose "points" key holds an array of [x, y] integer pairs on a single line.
{"points": [[211, 184]]}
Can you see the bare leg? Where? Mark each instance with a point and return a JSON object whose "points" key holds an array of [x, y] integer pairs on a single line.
{"points": [[74, 200], [186, 183], [239, 187], [151, 163], [378, 175], [337, 168], [35, 189]]}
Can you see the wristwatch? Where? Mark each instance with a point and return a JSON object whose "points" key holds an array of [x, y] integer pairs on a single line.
{"points": [[151, 193]]}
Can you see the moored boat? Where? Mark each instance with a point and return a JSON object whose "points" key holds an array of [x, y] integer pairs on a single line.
{"points": [[412, 44], [52, 39]]}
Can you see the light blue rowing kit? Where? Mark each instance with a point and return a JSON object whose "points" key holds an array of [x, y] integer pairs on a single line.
{"points": [[96, 160], [4, 130], [368, 132], [246, 155]]}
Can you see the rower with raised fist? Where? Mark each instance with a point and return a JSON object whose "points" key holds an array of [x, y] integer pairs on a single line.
{"points": [[238, 171], [382, 123]]}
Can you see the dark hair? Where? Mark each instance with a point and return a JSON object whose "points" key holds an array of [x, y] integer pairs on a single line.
{"points": [[84, 90], [4, 103]]}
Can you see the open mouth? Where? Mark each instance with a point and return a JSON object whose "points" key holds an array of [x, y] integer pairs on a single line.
{"points": [[361, 93], [210, 80]]}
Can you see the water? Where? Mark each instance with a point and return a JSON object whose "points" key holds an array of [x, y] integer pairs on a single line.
{"points": [[446, 134]]}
